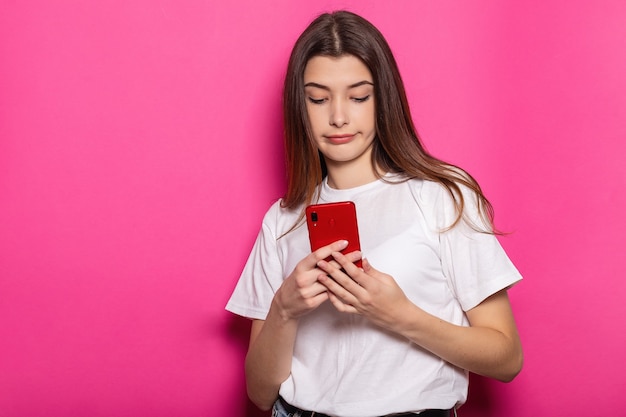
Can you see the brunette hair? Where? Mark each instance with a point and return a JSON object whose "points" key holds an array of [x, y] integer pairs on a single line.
{"points": [[397, 148]]}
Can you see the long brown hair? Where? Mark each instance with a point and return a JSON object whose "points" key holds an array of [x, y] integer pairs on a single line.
{"points": [[397, 148]]}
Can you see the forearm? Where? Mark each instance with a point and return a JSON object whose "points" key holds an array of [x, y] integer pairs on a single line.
{"points": [[268, 362], [490, 346], [482, 350]]}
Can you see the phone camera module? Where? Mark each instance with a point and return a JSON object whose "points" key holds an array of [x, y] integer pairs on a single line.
{"points": [[314, 216]]}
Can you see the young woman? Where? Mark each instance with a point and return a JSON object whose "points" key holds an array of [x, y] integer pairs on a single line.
{"points": [[399, 335]]}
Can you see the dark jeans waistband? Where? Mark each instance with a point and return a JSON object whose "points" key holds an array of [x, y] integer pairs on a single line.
{"points": [[304, 413]]}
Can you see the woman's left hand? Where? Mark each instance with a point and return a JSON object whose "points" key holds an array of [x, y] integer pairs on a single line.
{"points": [[489, 346], [366, 291]]}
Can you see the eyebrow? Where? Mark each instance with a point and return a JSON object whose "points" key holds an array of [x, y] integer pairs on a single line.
{"points": [[323, 87]]}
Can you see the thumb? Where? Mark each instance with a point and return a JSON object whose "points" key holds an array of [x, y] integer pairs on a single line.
{"points": [[367, 266]]}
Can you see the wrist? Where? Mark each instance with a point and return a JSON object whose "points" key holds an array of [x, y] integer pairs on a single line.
{"points": [[409, 322], [281, 314]]}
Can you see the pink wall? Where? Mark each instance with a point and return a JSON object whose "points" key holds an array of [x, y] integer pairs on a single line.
{"points": [[140, 146]]}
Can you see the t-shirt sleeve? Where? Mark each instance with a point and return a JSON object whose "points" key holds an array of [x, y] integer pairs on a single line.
{"points": [[475, 263], [261, 276]]}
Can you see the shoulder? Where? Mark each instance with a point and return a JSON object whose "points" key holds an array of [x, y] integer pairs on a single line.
{"points": [[273, 212], [442, 203], [429, 194], [279, 219]]}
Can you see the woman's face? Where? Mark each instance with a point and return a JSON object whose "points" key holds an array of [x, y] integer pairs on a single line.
{"points": [[340, 105]]}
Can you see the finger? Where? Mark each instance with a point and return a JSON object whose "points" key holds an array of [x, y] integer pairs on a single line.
{"points": [[325, 251], [341, 286], [334, 270], [315, 290], [340, 305], [347, 264], [367, 266], [319, 298], [312, 292], [353, 257], [334, 263], [373, 273], [338, 275]]}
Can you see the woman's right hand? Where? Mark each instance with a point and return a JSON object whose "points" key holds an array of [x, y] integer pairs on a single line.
{"points": [[268, 363], [301, 292]]}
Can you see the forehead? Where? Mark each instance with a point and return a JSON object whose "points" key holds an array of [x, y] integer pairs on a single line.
{"points": [[336, 71]]}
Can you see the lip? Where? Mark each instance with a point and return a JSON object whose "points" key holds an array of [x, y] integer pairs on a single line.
{"points": [[340, 139]]}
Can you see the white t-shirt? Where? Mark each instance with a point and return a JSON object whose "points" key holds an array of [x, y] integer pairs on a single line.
{"points": [[342, 364]]}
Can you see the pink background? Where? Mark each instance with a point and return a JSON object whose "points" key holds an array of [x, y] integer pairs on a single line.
{"points": [[140, 145]]}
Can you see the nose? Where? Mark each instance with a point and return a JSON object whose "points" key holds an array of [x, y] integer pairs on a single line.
{"points": [[339, 113]]}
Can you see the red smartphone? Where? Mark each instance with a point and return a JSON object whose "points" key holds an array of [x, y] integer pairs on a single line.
{"points": [[330, 222]]}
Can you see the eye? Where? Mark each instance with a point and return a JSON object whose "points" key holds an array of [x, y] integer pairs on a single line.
{"points": [[361, 99], [316, 100]]}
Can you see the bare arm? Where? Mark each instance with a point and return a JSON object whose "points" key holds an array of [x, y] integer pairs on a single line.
{"points": [[268, 362], [489, 347]]}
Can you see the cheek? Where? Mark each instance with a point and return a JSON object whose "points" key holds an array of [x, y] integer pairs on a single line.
{"points": [[367, 116], [316, 120]]}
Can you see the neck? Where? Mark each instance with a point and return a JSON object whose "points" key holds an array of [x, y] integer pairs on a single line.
{"points": [[342, 177]]}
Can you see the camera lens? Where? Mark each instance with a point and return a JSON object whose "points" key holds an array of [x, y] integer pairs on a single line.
{"points": [[314, 216]]}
